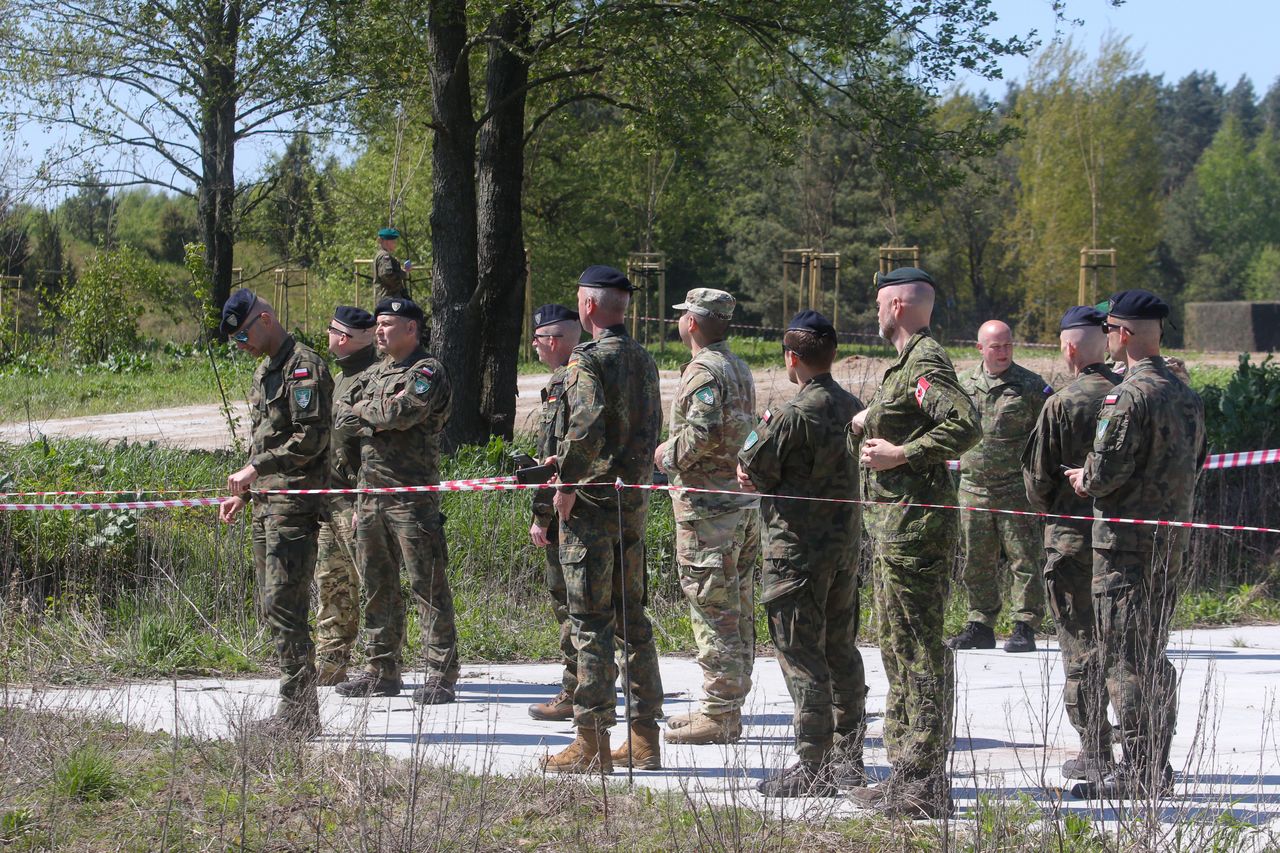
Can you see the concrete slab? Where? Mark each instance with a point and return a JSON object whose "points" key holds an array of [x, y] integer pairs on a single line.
{"points": [[1011, 733]]}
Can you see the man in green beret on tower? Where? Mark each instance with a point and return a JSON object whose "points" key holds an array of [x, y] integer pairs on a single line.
{"points": [[389, 277]]}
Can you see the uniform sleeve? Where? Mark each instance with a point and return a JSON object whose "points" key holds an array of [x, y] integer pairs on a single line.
{"points": [[309, 400], [543, 509], [701, 400], [425, 398], [585, 436], [1113, 460], [956, 425], [1041, 460], [764, 452], [388, 274]]}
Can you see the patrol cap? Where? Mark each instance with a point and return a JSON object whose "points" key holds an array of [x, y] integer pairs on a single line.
{"points": [[548, 314], [1082, 316], [605, 277], [903, 275], [353, 318], [398, 306], [708, 302], [236, 310], [811, 321], [388, 234], [1138, 304]]}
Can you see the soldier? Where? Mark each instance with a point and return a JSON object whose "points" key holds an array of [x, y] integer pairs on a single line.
{"points": [[717, 535], [1147, 453], [389, 277], [810, 578], [289, 410], [338, 582], [615, 416], [400, 418], [1008, 398], [1062, 438], [556, 331], [918, 419]]}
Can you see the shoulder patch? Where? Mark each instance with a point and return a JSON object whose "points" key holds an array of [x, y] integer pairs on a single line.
{"points": [[706, 394], [426, 371], [922, 385], [751, 440], [301, 373], [768, 413], [421, 386], [303, 396], [1110, 399], [1048, 390], [1102, 426]]}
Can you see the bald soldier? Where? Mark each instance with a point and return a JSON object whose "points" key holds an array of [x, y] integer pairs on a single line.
{"points": [[1008, 398]]}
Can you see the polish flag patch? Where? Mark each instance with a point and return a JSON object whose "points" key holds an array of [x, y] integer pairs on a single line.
{"points": [[426, 371], [1110, 399], [301, 372], [767, 414], [922, 385]]}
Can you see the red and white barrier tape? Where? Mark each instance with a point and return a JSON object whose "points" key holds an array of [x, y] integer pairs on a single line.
{"points": [[473, 481], [1216, 462]]}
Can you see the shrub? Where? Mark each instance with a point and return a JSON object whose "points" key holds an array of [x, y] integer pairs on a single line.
{"points": [[100, 312]]}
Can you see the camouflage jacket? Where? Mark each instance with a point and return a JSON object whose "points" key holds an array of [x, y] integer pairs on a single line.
{"points": [[344, 443], [801, 450], [711, 416], [289, 405], [1063, 437], [1147, 452], [389, 279], [615, 416], [1008, 406], [921, 407], [552, 425], [400, 418]]}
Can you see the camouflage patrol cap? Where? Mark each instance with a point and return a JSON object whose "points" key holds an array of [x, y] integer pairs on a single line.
{"points": [[708, 302], [903, 275]]}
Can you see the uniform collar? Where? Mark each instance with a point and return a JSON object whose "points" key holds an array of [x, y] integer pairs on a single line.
{"points": [[718, 346], [616, 330], [417, 355], [357, 361], [282, 354]]}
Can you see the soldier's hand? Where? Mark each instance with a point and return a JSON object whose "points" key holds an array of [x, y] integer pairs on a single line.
{"points": [[563, 502], [408, 265], [881, 455], [239, 482], [229, 509], [859, 422], [657, 457], [538, 534], [1076, 477], [744, 480]]}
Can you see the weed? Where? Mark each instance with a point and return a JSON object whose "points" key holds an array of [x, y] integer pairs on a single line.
{"points": [[88, 774]]}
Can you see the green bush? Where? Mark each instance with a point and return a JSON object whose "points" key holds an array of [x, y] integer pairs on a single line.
{"points": [[1244, 414], [100, 312]]}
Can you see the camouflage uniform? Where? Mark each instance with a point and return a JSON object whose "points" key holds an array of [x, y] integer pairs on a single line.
{"points": [[400, 419], [615, 415], [717, 536], [1008, 405], [551, 428], [389, 278], [921, 407], [289, 405], [810, 579], [1148, 449], [337, 581], [1064, 436]]}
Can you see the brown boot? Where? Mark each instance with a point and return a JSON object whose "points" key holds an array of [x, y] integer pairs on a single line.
{"points": [[330, 677], [708, 728], [644, 751], [554, 710], [589, 753]]}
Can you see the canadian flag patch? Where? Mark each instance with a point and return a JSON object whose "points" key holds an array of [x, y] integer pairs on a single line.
{"points": [[301, 372], [1110, 399], [922, 385]]}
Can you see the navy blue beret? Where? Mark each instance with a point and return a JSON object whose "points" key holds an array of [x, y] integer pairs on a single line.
{"points": [[545, 315], [353, 318], [903, 275], [398, 306], [1138, 305], [603, 276], [811, 321], [236, 310], [388, 234], [1082, 316]]}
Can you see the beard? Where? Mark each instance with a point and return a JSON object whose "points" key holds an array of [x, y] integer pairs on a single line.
{"points": [[887, 329]]}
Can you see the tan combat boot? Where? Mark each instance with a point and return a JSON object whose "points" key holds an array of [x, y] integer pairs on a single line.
{"points": [[708, 728], [558, 709], [644, 751], [589, 753]]}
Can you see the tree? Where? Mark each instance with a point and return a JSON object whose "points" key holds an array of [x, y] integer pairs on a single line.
{"points": [[1190, 113], [88, 213], [295, 209], [172, 86]]}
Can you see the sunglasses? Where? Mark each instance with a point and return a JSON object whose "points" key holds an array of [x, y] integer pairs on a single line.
{"points": [[1116, 327], [242, 336]]}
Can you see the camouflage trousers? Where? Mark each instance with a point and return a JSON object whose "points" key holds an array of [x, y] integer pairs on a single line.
{"points": [[911, 580], [560, 608], [717, 558], [1135, 594], [1019, 539], [392, 534], [337, 586], [605, 579], [814, 629], [1068, 581], [284, 558]]}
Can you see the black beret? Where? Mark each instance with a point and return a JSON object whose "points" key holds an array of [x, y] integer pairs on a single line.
{"points": [[398, 306], [903, 275], [811, 321], [603, 276], [236, 310], [1138, 305], [353, 318], [548, 314], [1082, 316]]}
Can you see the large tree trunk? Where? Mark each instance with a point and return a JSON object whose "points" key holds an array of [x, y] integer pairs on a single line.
{"points": [[499, 302], [216, 194], [455, 335]]}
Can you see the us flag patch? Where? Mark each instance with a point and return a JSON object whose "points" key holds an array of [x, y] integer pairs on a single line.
{"points": [[922, 385], [301, 372], [1110, 399]]}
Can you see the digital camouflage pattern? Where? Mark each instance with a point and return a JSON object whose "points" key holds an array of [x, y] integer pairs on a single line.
{"points": [[990, 477], [810, 578], [1063, 437], [615, 415], [389, 278], [1148, 450], [921, 407], [553, 422], [400, 419]]}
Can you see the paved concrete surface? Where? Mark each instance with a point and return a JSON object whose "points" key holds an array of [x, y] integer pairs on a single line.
{"points": [[1011, 736]]}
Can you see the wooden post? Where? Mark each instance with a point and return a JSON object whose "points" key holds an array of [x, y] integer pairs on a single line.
{"points": [[526, 328]]}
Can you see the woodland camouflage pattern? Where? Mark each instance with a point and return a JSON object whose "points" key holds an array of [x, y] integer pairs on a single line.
{"points": [[389, 278], [553, 422]]}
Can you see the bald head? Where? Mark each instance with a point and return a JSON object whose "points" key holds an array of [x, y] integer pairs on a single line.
{"points": [[1082, 346], [1133, 340], [995, 344], [903, 310]]}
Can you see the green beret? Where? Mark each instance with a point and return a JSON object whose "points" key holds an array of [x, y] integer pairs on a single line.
{"points": [[388, 234], [903, 275]]}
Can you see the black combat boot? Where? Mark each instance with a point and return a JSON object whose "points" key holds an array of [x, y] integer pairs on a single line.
{"points": [[1023, 638], [974, 636]]}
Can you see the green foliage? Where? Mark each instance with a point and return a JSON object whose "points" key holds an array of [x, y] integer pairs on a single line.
{"points": [[1244, 414], [1262, 277], [88, 774], [100, 312]]}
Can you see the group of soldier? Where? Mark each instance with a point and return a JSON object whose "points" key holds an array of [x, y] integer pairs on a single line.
{"points": [[792, 490]]}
